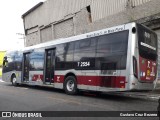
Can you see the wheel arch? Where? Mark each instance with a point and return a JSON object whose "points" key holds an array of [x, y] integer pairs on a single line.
{"points": [[70, 78], [69, 74], [13, 75]]}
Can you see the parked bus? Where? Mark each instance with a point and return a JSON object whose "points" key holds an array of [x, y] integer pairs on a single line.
{"points": [[121, 58]]}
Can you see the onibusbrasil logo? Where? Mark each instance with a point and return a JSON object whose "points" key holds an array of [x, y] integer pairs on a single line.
{"points": [[20, 114]]}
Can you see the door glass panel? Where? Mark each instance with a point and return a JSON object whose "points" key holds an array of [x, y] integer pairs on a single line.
{"points": [[50, 62], [26, 67]]}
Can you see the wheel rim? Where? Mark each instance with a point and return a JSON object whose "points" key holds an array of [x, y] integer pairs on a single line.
{"points": [[14, 81], [70, 85]]}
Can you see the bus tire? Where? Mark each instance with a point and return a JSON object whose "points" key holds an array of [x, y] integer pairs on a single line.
{"points": [[70, 85], [14, 80]]}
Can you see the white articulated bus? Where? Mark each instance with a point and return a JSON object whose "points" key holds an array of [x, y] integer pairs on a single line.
{"points": [[120, 58]]}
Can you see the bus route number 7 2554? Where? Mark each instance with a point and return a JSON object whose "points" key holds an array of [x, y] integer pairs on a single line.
{"points": [[83, 64]]}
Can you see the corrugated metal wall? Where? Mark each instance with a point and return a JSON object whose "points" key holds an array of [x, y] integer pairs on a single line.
{"points": [[104, 8], [139, 2], [55, 10], [62, 16]]}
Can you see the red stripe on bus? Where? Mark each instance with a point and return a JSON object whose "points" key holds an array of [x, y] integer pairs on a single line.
{"points": [[102, 81]]}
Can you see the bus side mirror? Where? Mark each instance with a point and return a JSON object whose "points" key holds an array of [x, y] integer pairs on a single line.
{"points": [[5, 62]]}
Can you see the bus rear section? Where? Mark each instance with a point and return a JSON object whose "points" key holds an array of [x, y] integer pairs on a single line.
{"points": [[111, 59], [144, 60]]}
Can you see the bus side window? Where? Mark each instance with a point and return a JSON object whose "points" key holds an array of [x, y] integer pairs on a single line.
{"points": [[5, 62]]}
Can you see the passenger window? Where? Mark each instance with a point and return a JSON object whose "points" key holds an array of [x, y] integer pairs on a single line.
{"points": [[85, 43]]}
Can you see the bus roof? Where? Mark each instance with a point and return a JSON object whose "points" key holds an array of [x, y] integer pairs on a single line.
{"points": [[82, 36]]}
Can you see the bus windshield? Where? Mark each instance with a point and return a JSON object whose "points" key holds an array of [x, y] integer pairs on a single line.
{"points": [[147, 41]]}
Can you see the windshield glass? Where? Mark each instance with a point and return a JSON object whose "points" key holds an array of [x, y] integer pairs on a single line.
{"points": [[147, 41]]}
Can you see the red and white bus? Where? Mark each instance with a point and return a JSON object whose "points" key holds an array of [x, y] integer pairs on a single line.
{"points": [[121, 58]]}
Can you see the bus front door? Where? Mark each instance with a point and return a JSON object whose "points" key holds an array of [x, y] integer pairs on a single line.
{"points": [[26, 66], [49, 65]]}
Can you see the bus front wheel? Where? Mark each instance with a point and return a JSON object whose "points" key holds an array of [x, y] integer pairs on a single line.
{"points": [[70, 85], [14, 80]]}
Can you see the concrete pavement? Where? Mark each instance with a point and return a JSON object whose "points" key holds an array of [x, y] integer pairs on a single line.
{"points": [[28, 98]]}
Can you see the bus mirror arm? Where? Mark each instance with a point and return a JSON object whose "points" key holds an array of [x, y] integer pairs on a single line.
{"points": [[5, 63]]}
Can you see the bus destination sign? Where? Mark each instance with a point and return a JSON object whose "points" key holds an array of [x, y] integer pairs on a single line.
{"points": [[107, 31]]}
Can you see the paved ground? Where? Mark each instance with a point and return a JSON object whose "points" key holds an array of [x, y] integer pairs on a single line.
{"points": [[27, 98], [151, 95]]}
